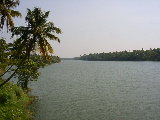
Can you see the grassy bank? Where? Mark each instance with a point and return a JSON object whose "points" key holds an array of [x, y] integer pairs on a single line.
{"points": [[13, 103]]}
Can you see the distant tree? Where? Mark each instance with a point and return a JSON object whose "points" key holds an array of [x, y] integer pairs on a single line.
{"points": [[136, 55]]}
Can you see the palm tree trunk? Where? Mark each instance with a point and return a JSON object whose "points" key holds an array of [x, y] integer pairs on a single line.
{"points": [[6, 71], [8, 79], [27, 55]]}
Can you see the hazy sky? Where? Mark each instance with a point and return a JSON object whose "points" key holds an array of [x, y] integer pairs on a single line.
{"points": [[95, 26]]}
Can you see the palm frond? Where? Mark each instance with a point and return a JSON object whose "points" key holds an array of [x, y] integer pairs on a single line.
{"points": [[7, 13], [34, 37], [15, 13], [52, 37]]}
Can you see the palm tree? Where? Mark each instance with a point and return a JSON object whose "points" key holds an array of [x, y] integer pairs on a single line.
{"points": [[7, 12], [34, 36]]}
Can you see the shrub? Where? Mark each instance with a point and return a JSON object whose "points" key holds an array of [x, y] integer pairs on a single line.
{"points": [[13, 103]]}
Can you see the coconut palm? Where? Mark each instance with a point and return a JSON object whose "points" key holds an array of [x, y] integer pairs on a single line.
{"points": [[34, 36], [7, 12]]}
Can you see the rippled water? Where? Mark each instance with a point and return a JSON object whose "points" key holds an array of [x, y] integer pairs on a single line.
{"points": [[85, 90]]}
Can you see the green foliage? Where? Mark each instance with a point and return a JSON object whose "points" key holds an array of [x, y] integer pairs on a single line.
{"points": [[34, 36], [45, 61], [3, 54], [136, 55], [7, 12], [16, 57], [27, 72], [13, 103], [31, 38]]}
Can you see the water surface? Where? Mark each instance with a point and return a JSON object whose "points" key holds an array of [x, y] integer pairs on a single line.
{"points": [[98, 90]]}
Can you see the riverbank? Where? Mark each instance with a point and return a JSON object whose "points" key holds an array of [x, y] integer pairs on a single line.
{"points": [[14, 103]]}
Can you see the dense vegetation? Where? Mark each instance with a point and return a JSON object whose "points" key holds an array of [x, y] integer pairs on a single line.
{"points": [[136, 55], [13, 103], [19, 58], [39, 59]]}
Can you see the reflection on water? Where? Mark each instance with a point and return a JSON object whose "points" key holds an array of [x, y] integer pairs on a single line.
{"points": [[83, 90]]}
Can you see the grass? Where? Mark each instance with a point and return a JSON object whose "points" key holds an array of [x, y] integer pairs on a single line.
{"points": [[13, 103]]}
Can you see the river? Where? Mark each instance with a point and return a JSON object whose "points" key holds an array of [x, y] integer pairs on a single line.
{"points": [[98, 90]]}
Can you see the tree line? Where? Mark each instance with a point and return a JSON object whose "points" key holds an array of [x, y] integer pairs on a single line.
{"points": [[18, 56], [136, 55], [41, 60]]}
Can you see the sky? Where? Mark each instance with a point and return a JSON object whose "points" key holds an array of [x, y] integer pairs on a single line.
{"points": [[96, 26]]}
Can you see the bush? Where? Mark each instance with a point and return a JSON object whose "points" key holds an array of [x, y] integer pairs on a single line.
{"points": [[13, 103]]}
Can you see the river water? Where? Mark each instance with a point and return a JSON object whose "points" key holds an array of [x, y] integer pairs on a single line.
{"points": [[98, 90]]}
